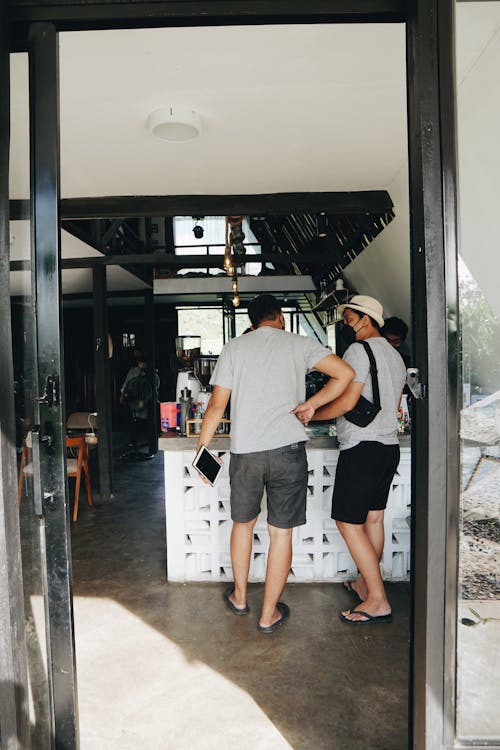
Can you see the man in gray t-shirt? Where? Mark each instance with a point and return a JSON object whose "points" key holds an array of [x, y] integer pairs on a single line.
{"points": [[264, 374], [369, 456]]}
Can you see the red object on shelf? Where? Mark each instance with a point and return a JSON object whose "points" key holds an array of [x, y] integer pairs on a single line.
{"points": [[170, 415]]}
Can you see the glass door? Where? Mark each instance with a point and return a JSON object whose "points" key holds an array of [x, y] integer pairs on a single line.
{"points": [[478, 586], [42, 495]]}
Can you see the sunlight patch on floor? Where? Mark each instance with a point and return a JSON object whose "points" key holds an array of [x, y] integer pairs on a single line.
{"points": [[136, 689]]}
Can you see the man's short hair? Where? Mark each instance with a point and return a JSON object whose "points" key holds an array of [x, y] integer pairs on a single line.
{"points": [[264, 307], [396, 326]]}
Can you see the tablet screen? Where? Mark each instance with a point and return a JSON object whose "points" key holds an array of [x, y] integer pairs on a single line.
{"points": [[206, 463]]}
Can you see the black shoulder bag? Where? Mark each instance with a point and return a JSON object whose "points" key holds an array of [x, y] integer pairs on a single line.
{"points": [[365, 412]]}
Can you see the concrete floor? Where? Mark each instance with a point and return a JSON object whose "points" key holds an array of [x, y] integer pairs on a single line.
{"points": [[167, 667]]}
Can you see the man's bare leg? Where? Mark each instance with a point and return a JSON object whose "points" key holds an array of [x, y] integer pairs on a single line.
{"points": [[241, 550], [367, 561], [374, 527], [279, 561]]}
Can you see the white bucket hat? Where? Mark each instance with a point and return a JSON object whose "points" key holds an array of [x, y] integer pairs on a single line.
{"points": [[368, 305]]}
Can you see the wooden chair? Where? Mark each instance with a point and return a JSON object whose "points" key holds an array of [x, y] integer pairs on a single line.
{"points": [[76, 462], [75, 465], [80, 422]]}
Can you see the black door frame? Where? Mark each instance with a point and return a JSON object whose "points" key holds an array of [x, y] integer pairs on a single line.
{"points": [[431, 127], [52, 505], [14, 719]]}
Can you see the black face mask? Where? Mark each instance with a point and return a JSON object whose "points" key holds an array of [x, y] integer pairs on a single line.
{"points": [[347, 334]]}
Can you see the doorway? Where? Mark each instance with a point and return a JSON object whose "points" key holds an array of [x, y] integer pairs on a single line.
{"points": [[421, 316]]}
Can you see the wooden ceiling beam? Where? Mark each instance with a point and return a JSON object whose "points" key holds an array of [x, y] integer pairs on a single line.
{"points": [[272, 204], [82, 15], [160, 260]]}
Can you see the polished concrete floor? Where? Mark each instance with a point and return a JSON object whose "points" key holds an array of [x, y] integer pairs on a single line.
{"points": [[167, 667]]}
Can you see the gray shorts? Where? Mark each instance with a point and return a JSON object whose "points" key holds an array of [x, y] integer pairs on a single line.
{"points": [[282, 472]]}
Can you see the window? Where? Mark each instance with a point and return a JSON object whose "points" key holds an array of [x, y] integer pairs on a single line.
{"points": [[212, 243], [205, 322]]}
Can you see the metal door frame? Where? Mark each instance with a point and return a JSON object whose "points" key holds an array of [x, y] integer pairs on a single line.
{"points": [[53, 503], [431, 128], [14, 719]]}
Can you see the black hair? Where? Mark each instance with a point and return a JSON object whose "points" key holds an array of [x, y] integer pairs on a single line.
{"points": [[395, 326], [264, 307]]}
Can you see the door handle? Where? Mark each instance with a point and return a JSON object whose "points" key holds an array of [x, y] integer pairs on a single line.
{"points": [[37, 474], [50, 395], [40, 497]]}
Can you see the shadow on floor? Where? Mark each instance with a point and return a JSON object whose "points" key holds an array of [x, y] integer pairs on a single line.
{"points": [[321, 683]]}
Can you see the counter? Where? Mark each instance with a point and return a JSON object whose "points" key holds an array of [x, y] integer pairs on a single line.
{"points": [[199, 522]]}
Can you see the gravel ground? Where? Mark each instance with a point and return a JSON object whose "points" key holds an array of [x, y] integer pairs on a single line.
{"points": [[480, 559]]}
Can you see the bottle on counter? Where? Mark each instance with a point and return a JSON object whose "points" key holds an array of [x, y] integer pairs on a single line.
{"points": [[198, 414], [186, 403]]}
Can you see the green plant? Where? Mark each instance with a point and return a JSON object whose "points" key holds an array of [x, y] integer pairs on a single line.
{"points": [[478, 621]]}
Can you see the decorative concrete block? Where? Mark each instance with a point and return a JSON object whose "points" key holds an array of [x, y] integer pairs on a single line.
{"points": [[199, 525]]}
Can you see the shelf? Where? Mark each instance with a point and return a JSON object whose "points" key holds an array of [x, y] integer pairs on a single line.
{"points": [[333, 299]]}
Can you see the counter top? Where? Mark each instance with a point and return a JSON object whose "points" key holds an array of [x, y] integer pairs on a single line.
{"points": [[171, 441]]}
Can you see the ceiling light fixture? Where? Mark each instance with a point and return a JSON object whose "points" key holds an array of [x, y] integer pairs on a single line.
{"points": [[175, 124], [198, 230]]}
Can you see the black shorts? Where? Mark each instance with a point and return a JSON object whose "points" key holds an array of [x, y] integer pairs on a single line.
{"points": [[282, 472], [363, 480]]}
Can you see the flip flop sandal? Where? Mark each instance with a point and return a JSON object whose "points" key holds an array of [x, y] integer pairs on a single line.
{"points": [[234, 609], [285, 613], [348, 586], [370, 619]]}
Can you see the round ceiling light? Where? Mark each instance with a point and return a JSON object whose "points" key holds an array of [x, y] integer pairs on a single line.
{"points": [[174, 124]]}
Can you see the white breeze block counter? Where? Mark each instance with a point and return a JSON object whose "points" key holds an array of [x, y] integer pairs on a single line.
{"points": [[199, 521]]}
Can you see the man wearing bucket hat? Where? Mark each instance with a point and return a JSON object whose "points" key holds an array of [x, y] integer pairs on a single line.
{"points": [[369, 455]]}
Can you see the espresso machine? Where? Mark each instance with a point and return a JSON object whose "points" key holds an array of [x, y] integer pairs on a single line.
{"points": [[203, 369], [187, 350]]}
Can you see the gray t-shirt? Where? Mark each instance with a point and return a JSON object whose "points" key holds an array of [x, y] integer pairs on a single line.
{"points": [[391, 379], [265, 370]]}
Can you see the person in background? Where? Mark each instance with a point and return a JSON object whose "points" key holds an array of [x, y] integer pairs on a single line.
{"points": [[395, 331], [369, 456], [139, 392], [264, 373]]}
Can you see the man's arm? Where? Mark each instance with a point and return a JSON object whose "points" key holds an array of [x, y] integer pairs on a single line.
{"points": [[344, 403], [213, 414], [341, 375], [128, 377]]}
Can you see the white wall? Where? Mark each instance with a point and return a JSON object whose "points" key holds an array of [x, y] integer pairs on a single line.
{"points": [[383, 268], [478, 113]]}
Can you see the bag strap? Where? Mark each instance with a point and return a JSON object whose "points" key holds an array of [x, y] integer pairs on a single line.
{"points": [[373, 371]]}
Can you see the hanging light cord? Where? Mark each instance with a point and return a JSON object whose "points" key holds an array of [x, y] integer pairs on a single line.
{"points": [[229, 266]]}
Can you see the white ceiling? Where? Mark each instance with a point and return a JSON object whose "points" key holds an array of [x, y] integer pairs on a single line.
{"points": [[285, 108]]}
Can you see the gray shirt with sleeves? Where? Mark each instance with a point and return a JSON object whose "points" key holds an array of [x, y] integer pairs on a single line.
{"points": [[265, 370], [391, 379]]}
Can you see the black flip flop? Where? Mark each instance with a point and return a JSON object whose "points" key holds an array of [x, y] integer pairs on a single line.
{"points": [[370, 619], [234, 609], [348, 586], [285, 613]]}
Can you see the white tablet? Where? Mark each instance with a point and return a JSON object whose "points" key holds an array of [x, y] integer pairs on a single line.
{"points": [[208, 465]]}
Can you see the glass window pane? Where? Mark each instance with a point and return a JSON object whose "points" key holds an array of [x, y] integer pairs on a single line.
{"points": [[205, 322], [25, 386], [478, 631], [211, 238]]}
